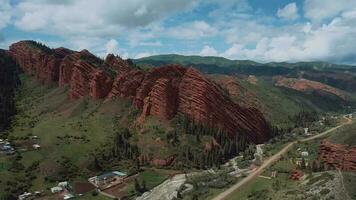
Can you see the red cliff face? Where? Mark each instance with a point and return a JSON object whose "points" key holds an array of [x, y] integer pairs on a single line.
{"points": [[162, 92], [338, 156], [204, 102], [37, 60], [87, 80]]}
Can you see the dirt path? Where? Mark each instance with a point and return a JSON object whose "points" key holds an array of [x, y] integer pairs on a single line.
{"points": [[272, 160]]}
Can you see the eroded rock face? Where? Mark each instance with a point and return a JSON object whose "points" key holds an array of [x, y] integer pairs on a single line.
{"points": [[162, 92], [338, 156], [37, 60], [204, 102], [87, 80], [126, 84]]}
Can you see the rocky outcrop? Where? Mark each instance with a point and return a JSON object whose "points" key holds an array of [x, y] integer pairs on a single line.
{"points": [[87, 77], [338, 156], [296, 175], [117, 63], [84, 72], [238, 93], [8, 83], [162, 92], [87, 80], [38, 60], [204, 102], [126, 84], [305, 85]]}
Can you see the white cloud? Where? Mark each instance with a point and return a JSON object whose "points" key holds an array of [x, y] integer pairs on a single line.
{"points": [[5, 13], [192, 30], [93, 17], [318, 10], [112, 47], [143, 54], [289, 12], [330, 42], [208, 51], [152, 44]]}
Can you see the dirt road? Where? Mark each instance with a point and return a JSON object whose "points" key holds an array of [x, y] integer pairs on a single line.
{"points": [[272, 160]]}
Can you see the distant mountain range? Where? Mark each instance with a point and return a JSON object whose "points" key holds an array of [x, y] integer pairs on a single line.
{"points": [[212, 64]]}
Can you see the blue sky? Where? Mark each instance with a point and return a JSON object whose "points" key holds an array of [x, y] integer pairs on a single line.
{"points": [[260, 30]]}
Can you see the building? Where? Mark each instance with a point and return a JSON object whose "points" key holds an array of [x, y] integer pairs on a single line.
{"points": [[25, 195], [63, 184], [56, 189], [36, 146], [305, 154], [274, 174], [107, 178], [68, 196]]}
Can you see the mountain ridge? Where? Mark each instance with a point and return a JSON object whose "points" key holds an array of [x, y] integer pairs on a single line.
{"points": [[162, 92], [231, 62]]}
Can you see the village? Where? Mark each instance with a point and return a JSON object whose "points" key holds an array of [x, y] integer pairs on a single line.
{"points": [[66, 190]]}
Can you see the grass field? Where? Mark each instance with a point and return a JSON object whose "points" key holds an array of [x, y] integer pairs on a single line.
{"points": [[256, 186], [68, 131], [349, 182], [345, 135], [91, 197]]}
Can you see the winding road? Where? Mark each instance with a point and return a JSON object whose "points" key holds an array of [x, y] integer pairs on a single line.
{"points": [[274, 159]]}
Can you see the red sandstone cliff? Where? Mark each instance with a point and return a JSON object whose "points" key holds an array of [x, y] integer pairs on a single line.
{"points": [[37, 60], [338, 156], [161, 92]]}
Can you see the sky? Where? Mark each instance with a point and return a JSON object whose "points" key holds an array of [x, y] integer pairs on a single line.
{"points": [[259, 30]]}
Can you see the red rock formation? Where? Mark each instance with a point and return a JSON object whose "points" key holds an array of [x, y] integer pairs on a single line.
{"points": [[126, 84], [171, 72], [238, 93], [100, 84], [203, 101], [162, 92], [307, 85], [37, 60], [338, 156], [163, 162], [117, 63], [296, 175], [87, 80]]}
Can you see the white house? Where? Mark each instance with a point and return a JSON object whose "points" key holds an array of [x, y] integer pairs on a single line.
{"points": [[107, 178], [36, 146], [63, 184], [56, 189], [68, 196], [305, 154], [25, 195]]}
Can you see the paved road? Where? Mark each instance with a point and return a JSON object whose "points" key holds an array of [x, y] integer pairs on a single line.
{"points": [[272, 160]]}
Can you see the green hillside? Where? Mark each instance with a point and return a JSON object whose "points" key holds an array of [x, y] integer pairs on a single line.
{"points": [[211, 64]]}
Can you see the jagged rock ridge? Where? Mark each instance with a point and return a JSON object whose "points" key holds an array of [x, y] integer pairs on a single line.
{"points": [[161, 92]]}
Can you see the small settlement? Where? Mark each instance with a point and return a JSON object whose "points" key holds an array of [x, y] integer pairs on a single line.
{"points": [[107, 180], [64, 190], [6, 148]]}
